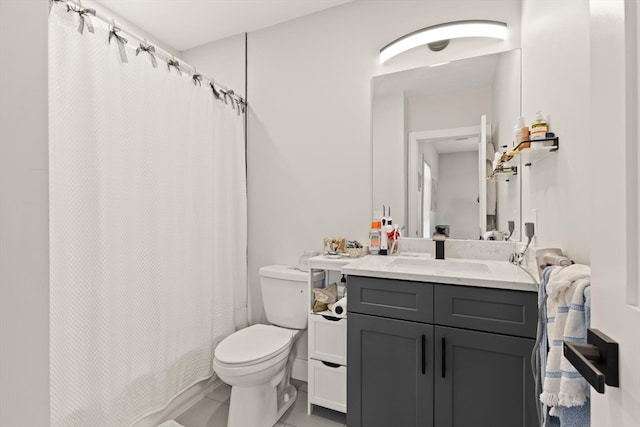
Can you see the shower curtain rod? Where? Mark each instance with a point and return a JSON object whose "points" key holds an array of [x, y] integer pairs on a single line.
{"points": [[162, 53]]}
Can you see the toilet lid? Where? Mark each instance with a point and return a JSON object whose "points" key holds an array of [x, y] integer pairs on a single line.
{"points": [[253, 344]]}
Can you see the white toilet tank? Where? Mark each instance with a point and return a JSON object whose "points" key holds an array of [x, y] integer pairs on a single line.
{"points": [[285, 293]]}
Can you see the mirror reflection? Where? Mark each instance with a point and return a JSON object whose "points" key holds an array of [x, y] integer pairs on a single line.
{"points": [[449, 121]]}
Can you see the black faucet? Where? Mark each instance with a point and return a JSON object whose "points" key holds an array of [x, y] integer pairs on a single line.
{"points": [[439, 239]]}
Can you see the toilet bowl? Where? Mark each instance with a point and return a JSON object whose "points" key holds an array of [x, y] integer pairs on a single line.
{"points": [[256, 361]]}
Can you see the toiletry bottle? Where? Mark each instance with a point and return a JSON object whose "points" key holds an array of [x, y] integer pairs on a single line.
{"points": [[517, 132], [342, 287], [539, 127], [521, 133], [384, 241], [391, 237], [374, 237], [384, 236]]}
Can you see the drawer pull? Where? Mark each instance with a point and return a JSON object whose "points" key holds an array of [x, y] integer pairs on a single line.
{"points": [[333, 319], [444, 357], [331, 365], [424, 354]]}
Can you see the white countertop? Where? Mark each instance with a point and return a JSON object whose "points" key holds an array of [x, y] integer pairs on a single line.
{"points": [[470, 272]]}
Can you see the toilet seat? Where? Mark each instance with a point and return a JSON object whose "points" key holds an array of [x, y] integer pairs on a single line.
{"points": [[253, 345]]}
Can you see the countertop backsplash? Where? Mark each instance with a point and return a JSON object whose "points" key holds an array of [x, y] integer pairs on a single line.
{"points": [[470, 249]]}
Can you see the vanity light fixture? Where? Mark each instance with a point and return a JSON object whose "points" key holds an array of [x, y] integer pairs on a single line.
{"points": [[437, 36]]}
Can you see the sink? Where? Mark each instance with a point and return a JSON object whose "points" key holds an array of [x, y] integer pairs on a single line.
{"points": [[441, 265]]}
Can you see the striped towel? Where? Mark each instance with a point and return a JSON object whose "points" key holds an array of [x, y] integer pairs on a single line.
{"points": [[566, 321]]}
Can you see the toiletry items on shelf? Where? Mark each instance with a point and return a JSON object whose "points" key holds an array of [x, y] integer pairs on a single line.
{"points": [[539, 127], [384, 235]]}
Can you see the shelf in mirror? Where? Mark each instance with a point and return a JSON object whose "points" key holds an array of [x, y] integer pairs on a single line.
{"points": [[538, 149], [525, 154], [503, 172]]}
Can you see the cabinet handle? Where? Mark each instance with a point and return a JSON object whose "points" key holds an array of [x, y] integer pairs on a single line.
{"points": [[424, 354], [329, 364], [444, 357]]}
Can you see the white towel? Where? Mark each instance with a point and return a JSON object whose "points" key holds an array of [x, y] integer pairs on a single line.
{"points": [[563, 385], [170, 423]]}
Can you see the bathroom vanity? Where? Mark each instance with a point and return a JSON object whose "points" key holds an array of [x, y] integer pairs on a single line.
{"points": [[441, 345]]}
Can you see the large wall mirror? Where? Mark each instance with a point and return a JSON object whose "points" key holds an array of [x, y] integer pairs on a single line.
{"points": [[435, 133]]}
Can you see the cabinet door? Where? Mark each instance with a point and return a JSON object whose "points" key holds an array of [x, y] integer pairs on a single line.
{"points": [[483, 379], [390, 375], [328, 339]]}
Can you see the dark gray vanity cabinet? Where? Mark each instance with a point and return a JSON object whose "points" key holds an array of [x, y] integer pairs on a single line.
{"points": [[433, 355], [483, 379], [395, 372]]}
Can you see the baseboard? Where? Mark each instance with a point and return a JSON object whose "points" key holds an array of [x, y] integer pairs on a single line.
{"points": [[299, 369], [180, 403]]}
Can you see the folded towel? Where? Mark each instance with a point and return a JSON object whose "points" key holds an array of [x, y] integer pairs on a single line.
{"points": [[566, 321]]}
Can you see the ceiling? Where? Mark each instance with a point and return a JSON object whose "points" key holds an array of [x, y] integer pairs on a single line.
{"points": [[184, 24]]}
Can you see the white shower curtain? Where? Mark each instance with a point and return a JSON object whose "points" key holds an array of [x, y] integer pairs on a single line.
{"points": [[147, 229]]}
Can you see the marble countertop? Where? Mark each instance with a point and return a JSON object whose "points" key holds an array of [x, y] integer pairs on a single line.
{"points": [[455, 271]]}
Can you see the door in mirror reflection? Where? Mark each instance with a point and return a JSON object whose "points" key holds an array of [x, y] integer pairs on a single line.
{"points": [[427, 205], [449, 194]]}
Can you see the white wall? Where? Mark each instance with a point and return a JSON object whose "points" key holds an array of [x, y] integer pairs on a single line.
{"points": [[126, 25], [310, 119], [506, 98], [388, 133], [506, 110], [222, 60], [555, 75], [24, 220], [450, 110]]}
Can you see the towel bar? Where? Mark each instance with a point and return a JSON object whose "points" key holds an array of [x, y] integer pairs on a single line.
{"points": [[597, 360]]}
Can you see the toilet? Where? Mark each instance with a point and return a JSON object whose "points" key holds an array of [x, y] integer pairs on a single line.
{"points": [[256, 361]]}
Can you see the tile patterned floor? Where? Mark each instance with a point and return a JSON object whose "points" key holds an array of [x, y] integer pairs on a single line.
{"points": [[213, 410]]}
